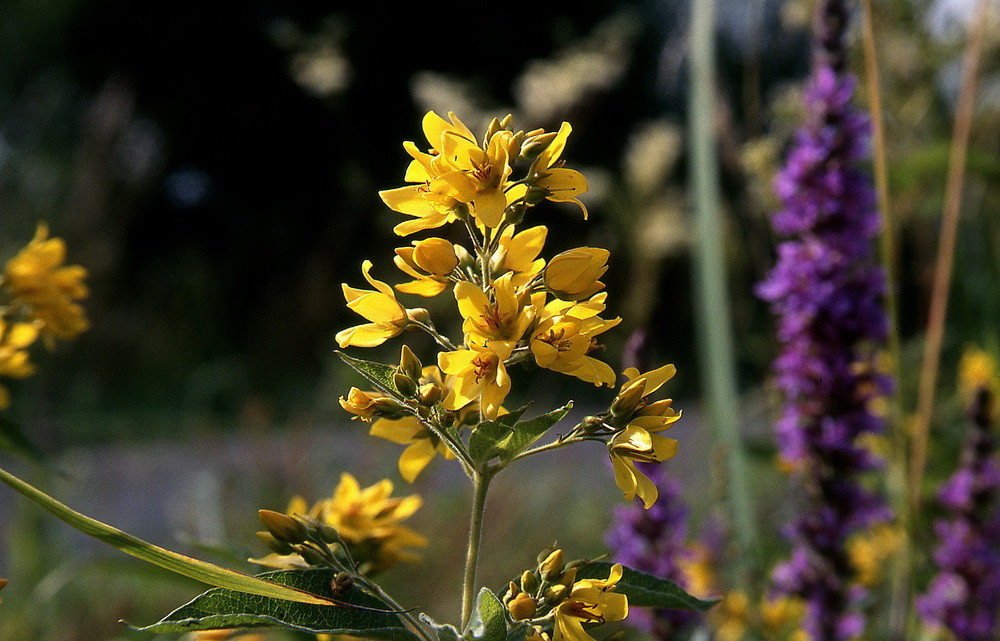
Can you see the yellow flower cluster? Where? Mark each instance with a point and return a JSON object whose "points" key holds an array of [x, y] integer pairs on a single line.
{"points": [[39, 300], [553, 588], [368, 520], [977, 369], [515, 306]]}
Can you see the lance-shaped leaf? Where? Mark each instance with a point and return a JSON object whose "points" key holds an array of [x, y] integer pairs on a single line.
{"points": [[178, 563], [487, 622], [378, 374], [525, 433], [358, 613], [646, 590], [487, 439]]}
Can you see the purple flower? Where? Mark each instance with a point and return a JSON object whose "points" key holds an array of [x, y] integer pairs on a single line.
{"points": [[964, 594], [827, 292], [654, 541]]}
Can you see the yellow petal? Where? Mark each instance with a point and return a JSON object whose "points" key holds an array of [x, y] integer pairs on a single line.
{"points": [[401, 431], [414, 459]]}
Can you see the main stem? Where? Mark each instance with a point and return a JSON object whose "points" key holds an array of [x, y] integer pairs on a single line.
{"points": [[482, 484]]}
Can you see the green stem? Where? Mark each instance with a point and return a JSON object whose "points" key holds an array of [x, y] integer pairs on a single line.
{"points": [[376, 590], [482, 484], [716, 342]]}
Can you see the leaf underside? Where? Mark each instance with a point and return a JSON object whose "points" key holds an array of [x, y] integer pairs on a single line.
{"points": [[219, 608]]}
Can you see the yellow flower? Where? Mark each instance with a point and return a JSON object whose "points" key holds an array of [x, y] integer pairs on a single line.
{"points": [[499, 321], [520, 253], [14, 340], [638, 442], [388, 317], [368, 520], [574, 274], [558, 183], [732, 617], [698, 571], [589, 601], [429, 262], [870, 550], [423, 444], [368, 405], [480, 376], [37, 278], [562, 342]]}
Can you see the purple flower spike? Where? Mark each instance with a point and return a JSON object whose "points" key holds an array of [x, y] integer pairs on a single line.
{"points": [[827, 292], [964, 594]]}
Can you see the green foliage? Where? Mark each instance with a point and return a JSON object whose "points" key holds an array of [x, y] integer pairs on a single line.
{"points": [[12, 440], [646, 590], [220, 608], [488, 622], [506, 437], [377, 374]]}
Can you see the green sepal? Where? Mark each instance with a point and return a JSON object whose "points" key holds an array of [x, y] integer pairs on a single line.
{"points": [[378, 374], [487, 622], [646, 590], [13, 440], [219, 608]]}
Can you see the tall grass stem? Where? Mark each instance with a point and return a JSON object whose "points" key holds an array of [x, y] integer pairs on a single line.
{"points": [[715, 332], [946, 253]]}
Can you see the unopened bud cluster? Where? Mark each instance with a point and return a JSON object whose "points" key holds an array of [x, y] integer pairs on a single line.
{"points": [[541, 589]]}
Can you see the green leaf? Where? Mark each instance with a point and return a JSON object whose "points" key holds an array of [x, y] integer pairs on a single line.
{"points": [[12, 440], [525, 433], [378, 374], [519, 632], [487, 622], [646, 590], [178, 563], [220, 608], [486, 440]]}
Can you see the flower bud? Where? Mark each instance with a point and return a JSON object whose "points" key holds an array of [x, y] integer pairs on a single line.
{"points": [[273, 544], [628, 398], [522, 607], [465, 259], [544, 554], [556, 594], [535, 195], [404, 384], [418, 315], [574, 274], [311, 556], [512, 592], [435, 256], [568, 578], [409, 364], [497, 259], [535, 145], [552, 567], [515, 213], [429, 394], [389, 408], [491, 129], [284, 528], [529, 582], [327, 533]]}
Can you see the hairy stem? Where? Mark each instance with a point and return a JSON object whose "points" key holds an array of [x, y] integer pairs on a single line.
{"points": [[482, 484]]}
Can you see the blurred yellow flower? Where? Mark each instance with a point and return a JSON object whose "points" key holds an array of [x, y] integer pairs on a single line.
{"points": [[574, 274], [590, 601], [978, 369], [37, 278], [871, 549], [368, 520], [388, 317], [14, 363]]}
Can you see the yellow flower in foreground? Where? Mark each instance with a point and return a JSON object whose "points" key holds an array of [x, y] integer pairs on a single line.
{"points": [[480, 376], [574, 274], [500, 320], [36, 277], [520, 253], [562, 340], [388, 317], [560, 185], [590, 601]]}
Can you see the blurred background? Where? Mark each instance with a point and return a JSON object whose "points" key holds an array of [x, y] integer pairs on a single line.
{"points": [[216, 171]]}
